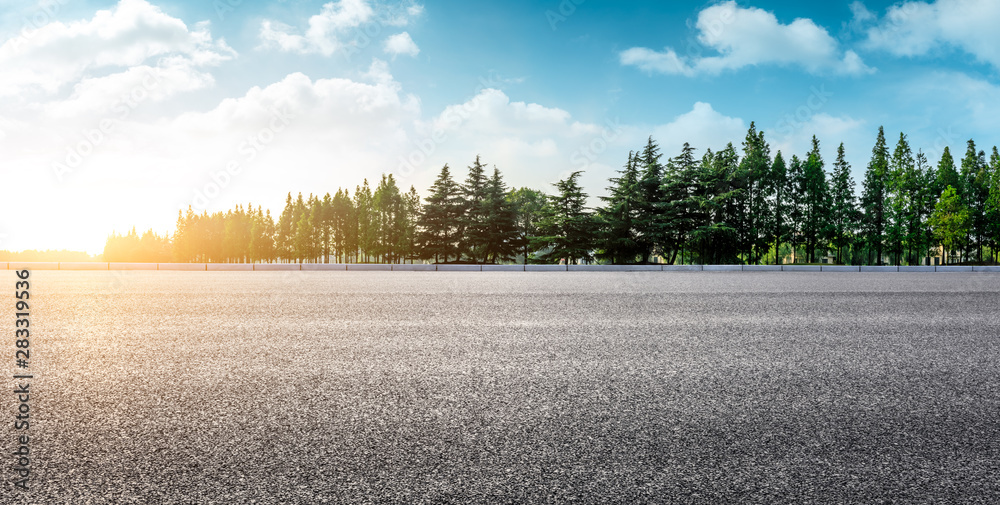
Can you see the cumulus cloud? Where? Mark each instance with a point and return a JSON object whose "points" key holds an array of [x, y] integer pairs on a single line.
{"points": [[130, 34], [401, 43], [748, 37], [918, 28], [336, 27]]}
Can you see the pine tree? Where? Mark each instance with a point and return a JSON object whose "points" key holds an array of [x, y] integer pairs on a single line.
{"points": [[873, 197], [794, 189], [678, 212], [899, 180], [844, 213], [648, 220], [569, 228], [412, 209], [501, 222], [367, 226], [754, 201], [440, 222], [473, 223], [815, 199], [976, 187], [993, 206], [777, 181], [618, 235], [284, 236], [528, 205]]}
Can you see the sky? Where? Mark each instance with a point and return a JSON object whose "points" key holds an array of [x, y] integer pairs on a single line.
{"points": [[116, 114]]}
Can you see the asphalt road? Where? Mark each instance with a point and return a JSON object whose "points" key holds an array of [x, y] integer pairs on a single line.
{"points": [[396, 387]]}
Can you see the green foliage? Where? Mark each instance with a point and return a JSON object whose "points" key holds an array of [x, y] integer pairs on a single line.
{"points": [[568, 228], [441, 220], [951, 220]]}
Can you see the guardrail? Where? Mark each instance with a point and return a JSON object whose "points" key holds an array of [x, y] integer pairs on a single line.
{"points": [[370, 267]]}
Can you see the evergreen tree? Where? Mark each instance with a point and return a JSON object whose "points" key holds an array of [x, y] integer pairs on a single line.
{"points": [[751, 227], [900, 183], [500, 242], [815, 200], [777, 181], [648, 220], [873, 197], [993, 206], [795, 216], [678, 212], [529, 206], [474, 229], [617, 219], [440, 222], [412, 208], [976, 188], [844, 213], [367, 226], [568, 229], [284, 238]]}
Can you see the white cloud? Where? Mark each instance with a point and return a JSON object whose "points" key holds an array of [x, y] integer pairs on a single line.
{"points": [[918, 28], [401, 43], [336, 27], [131, 33], [703, 127], [747, 37]]}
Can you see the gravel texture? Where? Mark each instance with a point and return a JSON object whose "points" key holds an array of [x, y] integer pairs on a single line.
{"points": [[398, 387]]}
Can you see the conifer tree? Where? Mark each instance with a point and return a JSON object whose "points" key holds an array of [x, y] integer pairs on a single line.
{"points": [[529, 206], [618, 240], [568, 228], [873, 197], [648, 221], [474, 228], [500, 242], [815, 200], [843, 205], [440, 221]]}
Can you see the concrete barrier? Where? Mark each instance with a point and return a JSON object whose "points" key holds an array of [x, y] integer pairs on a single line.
{"points": [[138, 266], [986, 269], [277, 267], [17, 265], [615, 268], [369, 268], [418, 267], [324, 267], [879, 269], [503, 268], [840, 268], [459, 268], [722, 268], [761, 268], [83, 266], [682, 268], [182, 267], [230, 267], [801, 268], [545, 268], [915, 268], [953, 269]]}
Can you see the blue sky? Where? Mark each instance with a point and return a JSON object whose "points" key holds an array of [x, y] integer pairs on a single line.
{"points": [[127, 111]]}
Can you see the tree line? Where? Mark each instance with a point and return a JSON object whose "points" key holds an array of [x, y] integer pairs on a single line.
{"points": [[731, 206]]}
